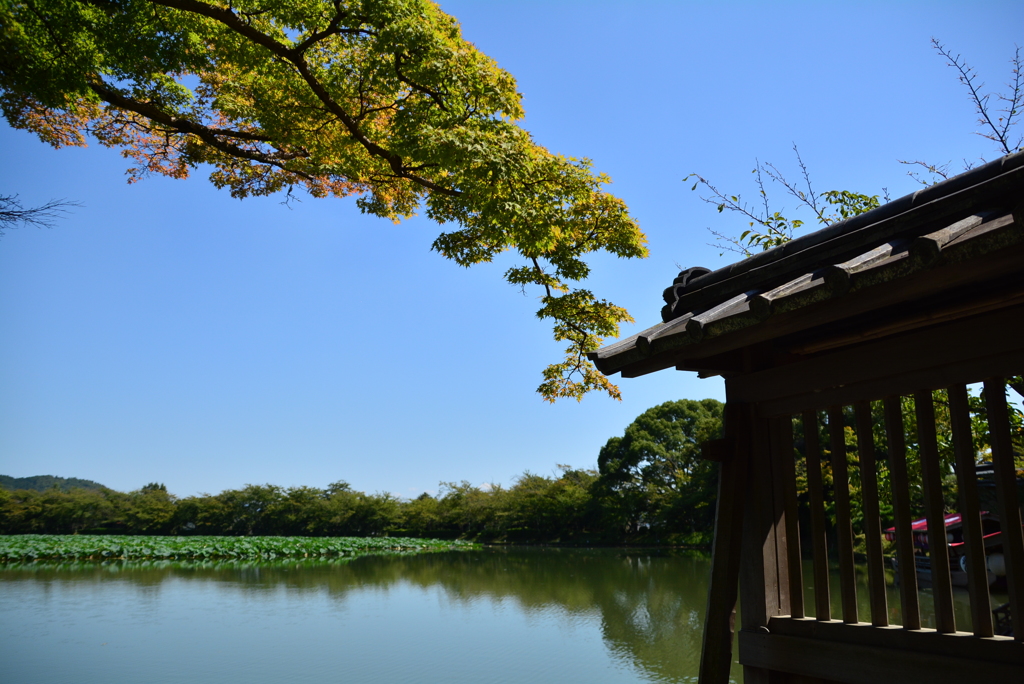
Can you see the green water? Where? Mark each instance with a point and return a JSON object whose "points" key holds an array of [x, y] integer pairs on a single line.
{"points": [[495, 615]]}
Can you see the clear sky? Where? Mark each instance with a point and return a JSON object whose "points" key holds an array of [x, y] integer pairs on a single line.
{"points": [[166, 332]]}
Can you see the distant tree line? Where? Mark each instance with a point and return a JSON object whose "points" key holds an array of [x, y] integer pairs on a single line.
{"points": [[650, 487]]}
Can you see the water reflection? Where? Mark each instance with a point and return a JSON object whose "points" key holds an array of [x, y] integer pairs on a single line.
{"points": [[542, 614]]}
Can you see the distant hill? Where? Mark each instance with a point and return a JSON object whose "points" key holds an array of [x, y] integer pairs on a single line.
{"points": [[41, 483]]}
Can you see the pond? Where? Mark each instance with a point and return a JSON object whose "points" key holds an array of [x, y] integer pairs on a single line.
{"points": [[488, 616]]}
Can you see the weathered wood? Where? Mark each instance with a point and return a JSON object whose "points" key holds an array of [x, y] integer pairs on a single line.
{"points": [[717, 450], [716, 648], [957, 644], [872, 518], [928, 248], [859, 233], [844, 526], [787, 474], [858, 664], [759, 571], [931, 480], [911, 615], [963, 370], [669, 344], [1006, 498], [970, 510], [885, 358], [812, 454], [781, 446]]}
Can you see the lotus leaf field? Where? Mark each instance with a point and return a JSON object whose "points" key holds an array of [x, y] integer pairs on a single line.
{"points": [[31, 547]]}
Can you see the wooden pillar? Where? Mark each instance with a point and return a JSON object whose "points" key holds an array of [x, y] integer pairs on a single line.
{"points": [[719, 619]]}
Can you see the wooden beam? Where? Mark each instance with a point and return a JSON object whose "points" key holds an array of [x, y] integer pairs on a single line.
{"points": [[786, 468], [887, 358], [853, 663]]}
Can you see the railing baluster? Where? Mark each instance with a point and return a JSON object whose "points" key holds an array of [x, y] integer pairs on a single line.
{"points": [[970, 511], [901, 511], [844, 526], [931, 479], [872, 519], [822, 609], [1006, 497], [787, 471]]}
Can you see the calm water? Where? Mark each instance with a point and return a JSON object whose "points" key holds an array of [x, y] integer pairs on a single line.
{"points": [[488, 616], [481, 617]]}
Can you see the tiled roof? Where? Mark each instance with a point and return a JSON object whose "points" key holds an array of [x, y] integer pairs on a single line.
{"points": [[966, 217]]}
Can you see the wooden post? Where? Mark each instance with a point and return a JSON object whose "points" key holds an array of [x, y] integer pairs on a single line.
{"points": [[970, 511], [716, 650], [872, 521], [1006, 498], [901, 511], [822, 607], [844, 525], [787, 473], [931, 480]]}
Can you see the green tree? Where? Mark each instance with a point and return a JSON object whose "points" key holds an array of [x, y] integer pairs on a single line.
{"points": [[378, 99], [653, 478]]}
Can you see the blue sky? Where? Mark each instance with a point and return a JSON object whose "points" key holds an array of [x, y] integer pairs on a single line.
{"points": [[167, 332]]}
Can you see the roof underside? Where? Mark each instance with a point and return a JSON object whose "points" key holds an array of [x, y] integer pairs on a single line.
{"points": [[950, 247]]}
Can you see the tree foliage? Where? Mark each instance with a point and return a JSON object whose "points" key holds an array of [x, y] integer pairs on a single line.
{"points": [[653, 476], [382, 100]]}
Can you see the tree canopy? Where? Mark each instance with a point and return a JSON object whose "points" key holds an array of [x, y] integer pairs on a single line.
{"points": [[382, 100]]}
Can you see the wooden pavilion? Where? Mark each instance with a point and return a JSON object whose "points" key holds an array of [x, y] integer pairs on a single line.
{"points": [[921, 294]]}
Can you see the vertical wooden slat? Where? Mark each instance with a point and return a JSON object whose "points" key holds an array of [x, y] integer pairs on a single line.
{"points": [[716, 650], [931, 479], [872, 519], [759, 571], [776, 430], [970, 511], [822, 609], [844, 526], [901, 512], [787, 473], [1006, 498]]}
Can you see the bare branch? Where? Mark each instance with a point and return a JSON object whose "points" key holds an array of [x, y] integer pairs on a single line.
{"points": [[14, 215]]}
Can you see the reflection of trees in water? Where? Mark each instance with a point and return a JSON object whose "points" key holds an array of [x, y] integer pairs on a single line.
{"points": [[651, 604]]}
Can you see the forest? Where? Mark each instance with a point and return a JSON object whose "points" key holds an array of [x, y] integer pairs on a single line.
{"points": [[650, 487]]}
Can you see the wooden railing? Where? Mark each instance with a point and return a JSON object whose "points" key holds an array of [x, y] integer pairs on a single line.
{"points": [[813, 458]]}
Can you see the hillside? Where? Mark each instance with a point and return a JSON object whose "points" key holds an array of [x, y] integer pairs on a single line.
{"points": [[41, 483]]}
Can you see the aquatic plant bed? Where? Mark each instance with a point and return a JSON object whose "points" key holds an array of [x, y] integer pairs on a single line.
{"points": [[30, 547]]}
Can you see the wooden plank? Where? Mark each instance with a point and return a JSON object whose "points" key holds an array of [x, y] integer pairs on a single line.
{"points": [[872, 518], [901, 511], [812, 452], [844, 526], [716, 649], [888, 357], [759, 578], [1006, 499], [778, 441], [931, 480], [858, 664], [970, 510], [957, 644], [787, 473], [957, 370]]}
